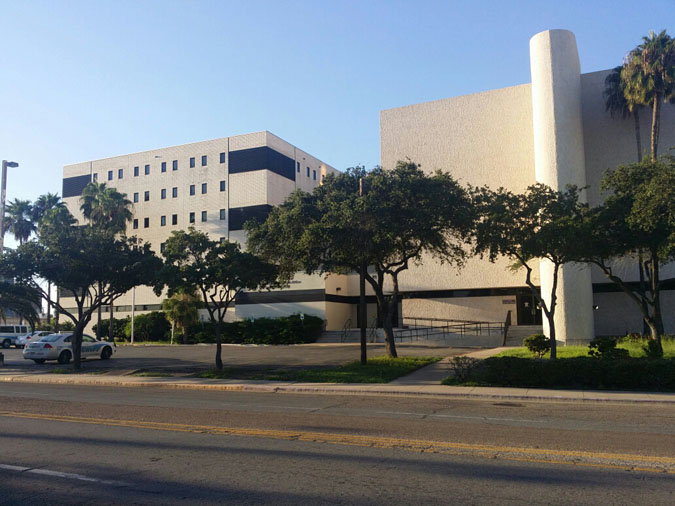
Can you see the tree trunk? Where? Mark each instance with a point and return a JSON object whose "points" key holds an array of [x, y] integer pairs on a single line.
{"points": [[656, 298], [656, 117], [643, 289], [219, 347], [638, 137], [56, 311], [387, 313], [551, 331], [49, 299], [76, 342], [100, 318], [363, 310], [173, 327], [111, 336]]}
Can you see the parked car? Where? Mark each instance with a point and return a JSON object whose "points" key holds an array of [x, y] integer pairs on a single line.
{"points": [[10, 333], [59, 347], [22, 341]]}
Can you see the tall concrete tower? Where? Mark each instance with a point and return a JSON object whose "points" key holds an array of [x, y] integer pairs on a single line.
{"points": [[559, 161]]}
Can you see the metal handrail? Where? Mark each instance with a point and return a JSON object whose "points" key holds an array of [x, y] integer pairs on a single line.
{"points": [[345, 329], [442, 328]]}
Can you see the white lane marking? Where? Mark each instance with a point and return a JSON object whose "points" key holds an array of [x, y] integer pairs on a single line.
{"points": [[59, 474]]}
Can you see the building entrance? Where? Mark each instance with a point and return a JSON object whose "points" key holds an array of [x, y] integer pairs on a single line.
{"points": [[529, 312]]}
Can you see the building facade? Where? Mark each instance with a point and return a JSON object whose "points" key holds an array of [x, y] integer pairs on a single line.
{"points": [[554, 130], [214, 186]]}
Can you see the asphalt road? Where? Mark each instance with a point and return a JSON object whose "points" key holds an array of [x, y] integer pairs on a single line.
{"points": [[189, 358], [94, 445]]}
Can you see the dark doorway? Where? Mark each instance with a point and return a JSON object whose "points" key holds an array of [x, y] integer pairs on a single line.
{"points": [[529, 312]]}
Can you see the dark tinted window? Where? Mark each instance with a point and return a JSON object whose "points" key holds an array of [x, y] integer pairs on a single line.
{"points": [[163, 193], [222, 186], [146, 222], [175, 165], [147, 170], [222, 214], [163, 166], [110, 175], [135, 171], [146, 196], [174, 219], [192, 189], [135, 223], [174, 192], [203, 187], [135, 196], [222, 157], [120, 173], [162, 221], [192, 217], [192, 161], [203, 215], [203, 160]]}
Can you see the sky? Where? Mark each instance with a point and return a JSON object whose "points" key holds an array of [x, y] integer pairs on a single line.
{"points": [[93, 79]]}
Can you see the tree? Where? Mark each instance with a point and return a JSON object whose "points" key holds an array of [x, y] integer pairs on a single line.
{"points": [[182, 311], [218, 270], [42, 207], [617, 103], [90, 264], [527, 227], [648, 77], [384, 219], [20, 220], [638, 215], [107, 210], [21, 300]]}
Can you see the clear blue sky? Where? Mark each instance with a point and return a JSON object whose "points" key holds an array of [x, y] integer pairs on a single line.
{"points": [[92, 79]]}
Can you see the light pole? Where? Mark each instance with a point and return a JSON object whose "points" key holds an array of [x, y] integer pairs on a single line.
{"points": [[5, 164]]}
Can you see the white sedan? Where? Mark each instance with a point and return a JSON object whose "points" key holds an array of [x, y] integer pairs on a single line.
{"points": [[59, 347], [34, 336]]}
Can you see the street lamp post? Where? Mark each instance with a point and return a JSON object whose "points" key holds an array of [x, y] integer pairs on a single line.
{"points": [[5, 164]]}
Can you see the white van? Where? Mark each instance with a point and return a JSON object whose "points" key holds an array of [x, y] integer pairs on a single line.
{"points": [[10, 333]]}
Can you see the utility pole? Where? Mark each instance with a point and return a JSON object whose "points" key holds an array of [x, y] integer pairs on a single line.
{"points": [[362, 298], [3, 196]]}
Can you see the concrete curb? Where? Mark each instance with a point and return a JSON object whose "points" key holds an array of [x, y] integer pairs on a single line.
{"points": [[434, 391]]}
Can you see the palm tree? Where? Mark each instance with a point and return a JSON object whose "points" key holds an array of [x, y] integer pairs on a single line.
{"points": [[617, 103], [649, 77], [43, 210], [19, 220], [105, 208], [181, 310]]}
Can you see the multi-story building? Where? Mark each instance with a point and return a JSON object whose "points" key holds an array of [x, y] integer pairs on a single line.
{"points": [[215, 186]]}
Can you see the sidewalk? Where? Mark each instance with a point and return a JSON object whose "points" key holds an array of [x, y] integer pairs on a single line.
{"points": [[424, 382]]}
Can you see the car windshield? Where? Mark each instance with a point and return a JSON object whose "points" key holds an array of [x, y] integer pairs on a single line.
{"points": [[51, 338]]}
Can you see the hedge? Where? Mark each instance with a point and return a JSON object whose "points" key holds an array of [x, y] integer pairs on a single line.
{"points": [[575, 373], [284, 330]]}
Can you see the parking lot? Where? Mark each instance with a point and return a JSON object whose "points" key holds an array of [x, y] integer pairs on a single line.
{"points": [[180, 358]]}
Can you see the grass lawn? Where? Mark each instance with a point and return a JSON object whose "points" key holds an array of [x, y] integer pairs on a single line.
{"points": [[63, 370], [151, 374], [377, 370], [634, 348]]}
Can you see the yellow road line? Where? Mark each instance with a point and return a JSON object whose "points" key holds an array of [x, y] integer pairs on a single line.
{"points": [[535, 455]]}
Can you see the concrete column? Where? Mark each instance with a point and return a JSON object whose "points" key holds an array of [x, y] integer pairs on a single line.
{"points": [[559, 161]]}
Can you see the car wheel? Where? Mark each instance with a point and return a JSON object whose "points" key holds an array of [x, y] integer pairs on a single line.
{"points": [[39, 360], [6, 343], [106, 353], [64, 358]]}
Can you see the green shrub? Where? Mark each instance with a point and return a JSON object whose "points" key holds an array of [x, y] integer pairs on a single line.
{"points": [[148, 327], [580, 372], [291, 329], [463, 367], [652, 349], [538, 344], [605, 347], [118, 325]]}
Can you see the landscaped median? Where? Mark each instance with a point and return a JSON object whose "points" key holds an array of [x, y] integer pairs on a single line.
{"points": [[573, 369], [377, 370]]}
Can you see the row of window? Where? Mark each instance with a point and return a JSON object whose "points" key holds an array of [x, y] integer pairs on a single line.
{"points": [[174, 219], [313, 172], [174, 192], [174, 166]]}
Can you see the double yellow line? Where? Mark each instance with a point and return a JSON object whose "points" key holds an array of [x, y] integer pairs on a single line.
{"points": [[620, 461]]}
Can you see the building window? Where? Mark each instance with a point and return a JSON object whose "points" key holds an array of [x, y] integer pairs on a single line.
{"points": [[203, 215], [135, 171], [203, 188], [147, 170], [174, 192], [192, 217], [307, 171], [222, 214], [146, 222], [162, 221], [222, 157], [110, 175], [163, 166], [95, 176], [174, 219], [203, 160], [162, 247], [222, 186], [163, 193], [135, 223], [146, 196], [298, 168], [120, 173], [314, 175], [192, 189], [135, 197], [192, 162], [174, 165]]}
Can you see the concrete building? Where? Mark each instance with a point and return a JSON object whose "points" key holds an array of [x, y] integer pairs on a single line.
{"points": [[554, 130], [215, 186]]}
